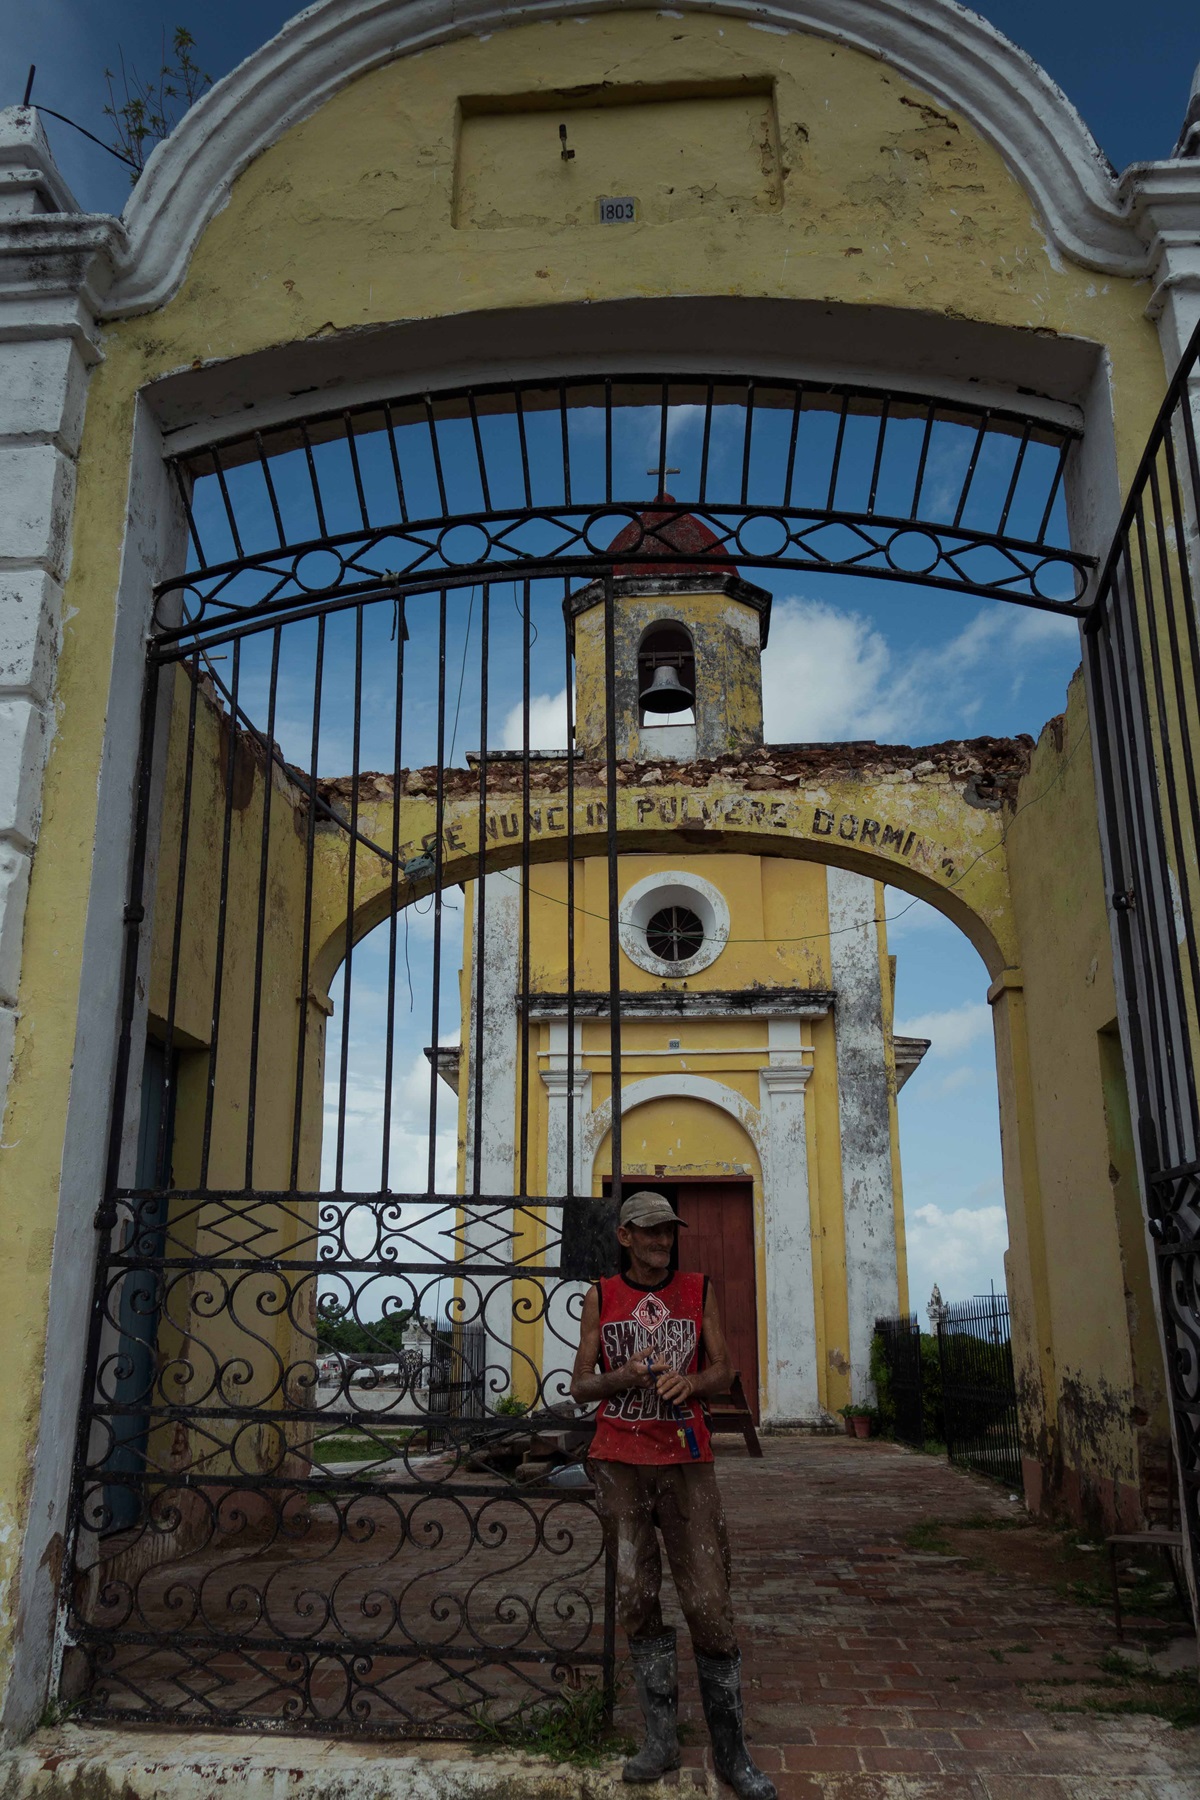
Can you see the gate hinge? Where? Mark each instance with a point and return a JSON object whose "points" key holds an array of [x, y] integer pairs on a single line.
{"points": [[105, 1216], [1124, 900], [134, 914]]}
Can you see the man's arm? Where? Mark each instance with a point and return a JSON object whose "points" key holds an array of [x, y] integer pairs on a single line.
{"points": [[716, 1377], [586, 1383]]}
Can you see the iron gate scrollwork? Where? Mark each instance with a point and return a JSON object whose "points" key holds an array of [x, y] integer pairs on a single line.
{"points": [[326, 1440]]}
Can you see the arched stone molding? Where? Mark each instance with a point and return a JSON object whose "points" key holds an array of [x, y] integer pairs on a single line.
{"points": [[951, 53], [923, 833], [598, 1123], [777, 1131]]}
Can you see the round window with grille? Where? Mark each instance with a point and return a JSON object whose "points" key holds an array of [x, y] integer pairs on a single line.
{"points": [[675, 933]]}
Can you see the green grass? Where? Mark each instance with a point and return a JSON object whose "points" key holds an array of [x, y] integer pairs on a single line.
{"points": [[569, 1728], [1121, 1691], [358, 1447], [929, 1536]]}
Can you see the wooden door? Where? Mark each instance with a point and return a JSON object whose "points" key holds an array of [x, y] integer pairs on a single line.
{"points": [[720, 1241]]}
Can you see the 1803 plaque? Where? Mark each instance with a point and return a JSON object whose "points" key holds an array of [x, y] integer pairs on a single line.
{"points": [[617, 212]]}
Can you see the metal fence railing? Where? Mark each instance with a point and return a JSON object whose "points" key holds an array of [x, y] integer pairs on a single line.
{"points": [[979, 1392], [900, 1351], [963, 1393]]}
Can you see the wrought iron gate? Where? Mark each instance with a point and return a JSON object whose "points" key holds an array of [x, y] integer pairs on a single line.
{"points": [[360, 700], [1143, 659]]}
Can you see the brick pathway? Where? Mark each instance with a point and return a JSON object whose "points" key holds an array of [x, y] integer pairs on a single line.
{"points": [[871, 1672]]}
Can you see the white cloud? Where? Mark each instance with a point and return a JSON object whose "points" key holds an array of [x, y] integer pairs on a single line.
{"points": [[960, 1248], [823, 674], [951, 1032], [829, 673], [547, 723]]}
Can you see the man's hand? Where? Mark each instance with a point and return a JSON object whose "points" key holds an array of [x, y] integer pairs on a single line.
{"points": [[635, 1374], [674, 1387]]}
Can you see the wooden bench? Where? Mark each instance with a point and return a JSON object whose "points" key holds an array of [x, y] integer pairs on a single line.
{"points": [[1165, 1538], [1167, 1541], [731, 1412]]}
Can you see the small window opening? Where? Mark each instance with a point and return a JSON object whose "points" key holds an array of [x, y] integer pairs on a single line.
{"points": [[675, 933], [666, 697]]}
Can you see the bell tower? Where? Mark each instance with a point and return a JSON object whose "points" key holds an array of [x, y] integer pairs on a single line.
{"points": [[689, 635]]}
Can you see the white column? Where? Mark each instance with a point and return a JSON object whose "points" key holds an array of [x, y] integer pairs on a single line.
{"points": [[561, 1330], [791, 1383], [46, 352], [493, 1040], [871, 1278]]}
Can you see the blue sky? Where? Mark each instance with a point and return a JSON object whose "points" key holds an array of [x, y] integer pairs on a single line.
{"points": [[1127, 75], [847, 659]]}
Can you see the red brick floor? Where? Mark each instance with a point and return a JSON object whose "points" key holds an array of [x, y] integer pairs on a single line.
{"points": [[870, 1669]]}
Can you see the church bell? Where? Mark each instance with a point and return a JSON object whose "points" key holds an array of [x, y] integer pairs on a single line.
{"points": [[666, 693]]}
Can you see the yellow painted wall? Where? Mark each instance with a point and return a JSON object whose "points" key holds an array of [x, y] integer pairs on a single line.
{"points": [[1091, 1294], [354, 219]]}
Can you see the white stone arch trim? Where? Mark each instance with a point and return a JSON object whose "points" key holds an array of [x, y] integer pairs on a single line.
{"points": [[598, 1123], [951, 53]]}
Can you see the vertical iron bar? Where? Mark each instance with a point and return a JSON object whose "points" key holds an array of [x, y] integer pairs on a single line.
{"points": [[439, 825], [479, 456], [837, 453], [749, 428], [478, 1047], [214, 1042], [797, 409], [437, 455], [880, 438], [268, 781], [312, 476], [265, 466], [569, 689], [389, 1057], [704, 445], [306, 931], [614, 937], [1063, 452], [566, 442], [660, 486], [185, 822], [523, 1142], [229, 512], [524, 448], [980, 435], [351, 875], [1018, 461], [185, 500], [608, 460], [922, 459], [395, 456], [358, 486]]}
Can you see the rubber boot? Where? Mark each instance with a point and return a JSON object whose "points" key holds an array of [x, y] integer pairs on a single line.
{"points": [[656, 1674], [721, 1694]]}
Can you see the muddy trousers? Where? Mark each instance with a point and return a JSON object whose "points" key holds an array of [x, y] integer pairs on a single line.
{"points": [[683, 1501]]}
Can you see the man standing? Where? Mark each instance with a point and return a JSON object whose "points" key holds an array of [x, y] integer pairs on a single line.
{"points": [[652, 1464]]}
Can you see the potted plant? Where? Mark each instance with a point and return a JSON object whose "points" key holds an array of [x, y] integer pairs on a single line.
{"points": [[860, 1420]]}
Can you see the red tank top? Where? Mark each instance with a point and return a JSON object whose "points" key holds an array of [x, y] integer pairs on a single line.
{"points": [[636, 1426]]}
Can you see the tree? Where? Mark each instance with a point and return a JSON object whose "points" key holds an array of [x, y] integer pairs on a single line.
{"points": [[145, 112], [338, 1329]]}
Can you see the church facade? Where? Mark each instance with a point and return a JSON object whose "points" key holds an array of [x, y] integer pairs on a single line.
{"points": [[758, 1066]]}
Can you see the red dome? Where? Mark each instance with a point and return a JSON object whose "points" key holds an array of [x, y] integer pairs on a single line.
{"points": [[661, 535]]}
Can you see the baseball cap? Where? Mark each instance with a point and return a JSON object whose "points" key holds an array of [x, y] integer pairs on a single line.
{"points": [[647, 1208]]}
